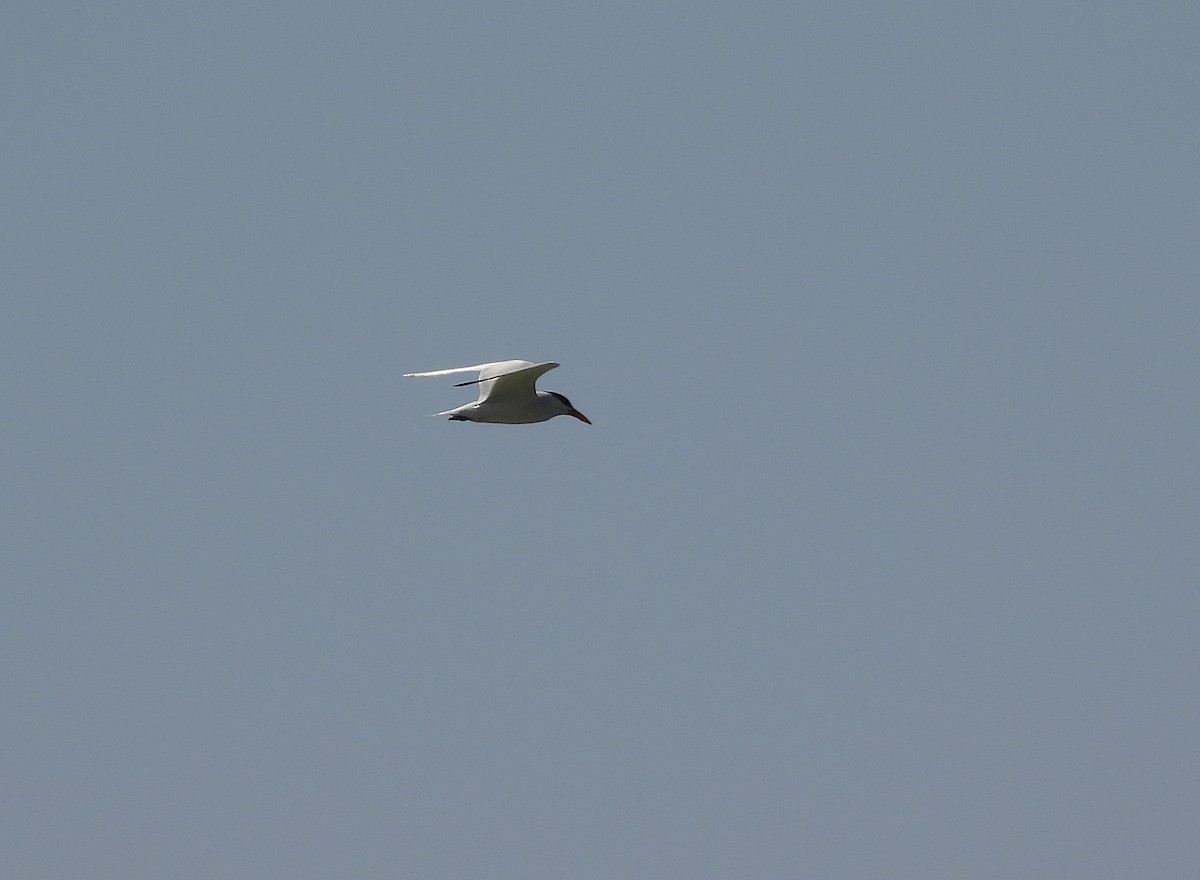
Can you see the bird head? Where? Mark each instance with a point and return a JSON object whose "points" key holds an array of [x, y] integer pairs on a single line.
{"points": [[566, 408]]}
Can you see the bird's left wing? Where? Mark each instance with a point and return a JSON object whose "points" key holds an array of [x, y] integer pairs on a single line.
{"points": [[511, 379], [506, 378]]}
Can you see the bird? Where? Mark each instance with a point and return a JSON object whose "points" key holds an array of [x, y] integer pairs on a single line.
{"points": [[507, 395]]}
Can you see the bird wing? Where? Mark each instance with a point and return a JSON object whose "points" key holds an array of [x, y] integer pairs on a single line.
{"points": [[509, 379], [478, 368], [503, 378]]}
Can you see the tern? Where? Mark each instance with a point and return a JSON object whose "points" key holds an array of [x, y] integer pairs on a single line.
{"points": [[507, 395]]}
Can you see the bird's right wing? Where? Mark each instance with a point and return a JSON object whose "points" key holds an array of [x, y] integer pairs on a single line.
{"points": [[478, 368]]}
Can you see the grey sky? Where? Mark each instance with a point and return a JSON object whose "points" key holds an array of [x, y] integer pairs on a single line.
{"points": [[880, 559]]}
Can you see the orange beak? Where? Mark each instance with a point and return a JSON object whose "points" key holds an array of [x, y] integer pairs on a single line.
{"points": [[579, 416]]}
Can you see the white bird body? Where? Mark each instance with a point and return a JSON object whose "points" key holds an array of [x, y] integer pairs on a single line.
{"points": [[507, 394]]}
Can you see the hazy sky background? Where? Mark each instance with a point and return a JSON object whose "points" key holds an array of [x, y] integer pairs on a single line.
{"points": [[880, 560]]}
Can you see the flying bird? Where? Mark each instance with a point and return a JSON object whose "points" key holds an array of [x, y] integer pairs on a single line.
{"points": [[507, 395]]}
